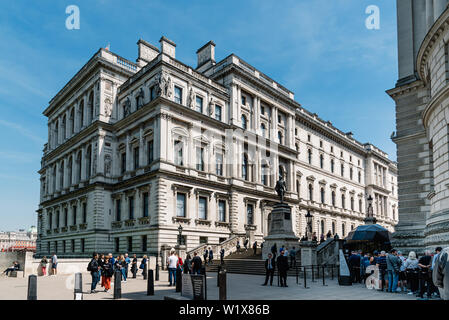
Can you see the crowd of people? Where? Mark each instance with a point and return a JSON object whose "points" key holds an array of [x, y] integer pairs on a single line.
{"points": [[397, 273]]}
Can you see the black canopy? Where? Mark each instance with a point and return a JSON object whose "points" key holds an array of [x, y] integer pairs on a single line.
{"points": [[372, 232]]}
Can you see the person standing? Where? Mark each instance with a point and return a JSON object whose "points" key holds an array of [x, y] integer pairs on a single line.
{"points": [[245, 244], [402, 273], [293, 257], [393, 266], [381, 263], [274, 250], [211, 255], [412, 272], [270, 265], [354, 265], [106, 273], [434, 289], [44, 265], [111, 259], [93, 267], [54, 264], [286, 252], [128, 261], [134, 265], [172, 263], [143, 263], [237, 246], [205, 255], [322, 238], [222, 253], [100, 264], [282, 263], [188, 264], [196, 264], [425, 263], [124, 267], [255, 247]]}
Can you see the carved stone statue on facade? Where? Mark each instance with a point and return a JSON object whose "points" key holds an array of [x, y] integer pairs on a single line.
{"points": [[127, 107], [211, 107], [107, 107], [281, 187], [107, 164], [139, 98], [191, 101]]}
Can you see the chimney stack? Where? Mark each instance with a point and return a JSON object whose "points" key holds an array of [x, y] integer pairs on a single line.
{"points": [[206, 56], [147, 52], [168, 47]]}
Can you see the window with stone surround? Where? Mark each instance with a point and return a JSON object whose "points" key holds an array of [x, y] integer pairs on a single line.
{"points": [[199, 104], [84, 212], [150, 148], [200, 158], [131, 207], [221, 210], [118, 210], [219, 164], [202, 208], [178, 150], [250, 213], [178, 95], [145, 204], [218, 110], [136, 158], [181, 204]]}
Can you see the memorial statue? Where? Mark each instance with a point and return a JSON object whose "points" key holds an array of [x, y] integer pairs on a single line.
{"points": [[191, 102], [281, 187], [127, 107], [139, 98]]}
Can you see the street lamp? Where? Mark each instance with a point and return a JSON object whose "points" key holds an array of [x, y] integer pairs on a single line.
{"points": [[370, 206], [309, 224], [180, 235]]}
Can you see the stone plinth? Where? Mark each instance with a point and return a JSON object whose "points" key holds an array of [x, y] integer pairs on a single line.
{"points": [[308, 253], [281, 231]]}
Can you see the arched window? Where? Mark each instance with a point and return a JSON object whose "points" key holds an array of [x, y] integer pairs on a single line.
{"points": [[56, 141], [81, 112], [69, 170], [350, 173], [343, 201], [342, 170], [244, 122], [72, 121], [322, 226], [309, 153], [333, 198], [352, 203], [80, 166], [321, 161], [360, 177], [63, 128], [360, 205], [333, 227], [322, 195], [310, 192], [61, 175], [90, 105]]}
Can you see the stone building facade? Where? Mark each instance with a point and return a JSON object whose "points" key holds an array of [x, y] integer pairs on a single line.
{"points": [[18, 240], [136, 149], [422, 113]]}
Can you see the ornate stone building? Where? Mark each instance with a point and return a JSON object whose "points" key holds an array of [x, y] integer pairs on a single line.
{"points": [[136, 149], [421, 96], [18, 240]]}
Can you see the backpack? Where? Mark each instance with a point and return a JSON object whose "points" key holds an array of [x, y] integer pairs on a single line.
{"points": [[89, 266]]}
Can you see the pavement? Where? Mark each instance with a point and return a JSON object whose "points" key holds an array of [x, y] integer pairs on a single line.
{"points": [[239, 287]]}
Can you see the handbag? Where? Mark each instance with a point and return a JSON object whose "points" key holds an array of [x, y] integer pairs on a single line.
{"points": [[142, 265]]}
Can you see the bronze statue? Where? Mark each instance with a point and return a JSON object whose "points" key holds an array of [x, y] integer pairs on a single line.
{"points": [[281, 188]]}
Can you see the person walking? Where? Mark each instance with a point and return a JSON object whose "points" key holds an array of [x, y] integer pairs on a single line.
{"points": [[282, 263], [412, 272], [143, 263], [237, 246], [293, 257], [393, 266], [93, 267], [54, 264], [270, 265], [245, 244], [124, 267], [255, 247], [381, 263], [205, 255], [44, 265], [106, 274], [172, 263], [196, 264], [211, 255], [425, 263]]}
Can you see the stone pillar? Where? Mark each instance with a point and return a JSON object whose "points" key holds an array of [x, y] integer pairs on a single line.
{"points": [[308, 253]]}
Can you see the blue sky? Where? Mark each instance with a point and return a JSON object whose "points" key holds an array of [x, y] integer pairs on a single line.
{"points": [[320, 49]]}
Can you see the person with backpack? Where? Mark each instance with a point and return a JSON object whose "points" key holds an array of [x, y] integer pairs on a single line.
{"points": [[196, 264], [93, 268], [107, 272]]}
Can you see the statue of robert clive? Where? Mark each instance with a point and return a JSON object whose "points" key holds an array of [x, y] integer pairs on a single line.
{"points": [[281, 187]]}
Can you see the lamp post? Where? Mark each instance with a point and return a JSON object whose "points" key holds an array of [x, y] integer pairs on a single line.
{"points": [[370, 214], [309, 224], [180, 235]]}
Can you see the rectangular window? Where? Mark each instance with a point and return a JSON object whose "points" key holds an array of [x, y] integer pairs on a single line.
{"points": [[123, 163], [199, 104], [84, 212], [130, 244], [74, 216], [152, 93], [82, 246], [150, 152], [217, 112], [136, 158], [117, 245], [202, 208], [178, 95], [73, 245], [63, 246], [181, 205], [178, 153], [200, 158], [243, 100], [118, 210], [203, 240], [145, 204], [66, 217], [221, 210], [57, 219], [131, 207], [144, 243], [219, 164], [262, 110], [250, 213]]}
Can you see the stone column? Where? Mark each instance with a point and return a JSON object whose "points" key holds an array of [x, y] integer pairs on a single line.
{"points": [[257, 115]]}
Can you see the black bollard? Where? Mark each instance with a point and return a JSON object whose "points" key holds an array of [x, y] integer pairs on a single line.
{"points": [[78, 289], [178, 280], [222, 285], [324, 281], [305, 279], [157, 270], [32, 287], [117, 284], [203, 272], [279, 282], [150, 283], [145, 271], [332, 272], [317, 271], [296, 269], [313, 274]]}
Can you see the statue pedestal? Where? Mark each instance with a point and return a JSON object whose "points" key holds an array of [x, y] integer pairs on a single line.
{"points": [[308, 253], [281, 232]]}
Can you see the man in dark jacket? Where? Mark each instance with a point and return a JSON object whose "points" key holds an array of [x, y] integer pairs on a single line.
{"points": [[196, 264], [270, 265], [381, 263], [393, 266], [282, 263], [354, 266], [93, 268]]}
